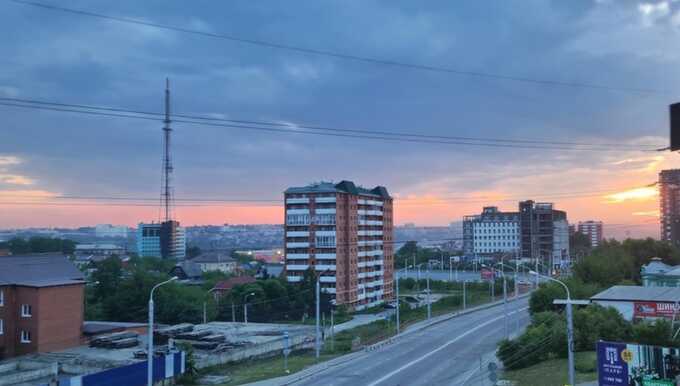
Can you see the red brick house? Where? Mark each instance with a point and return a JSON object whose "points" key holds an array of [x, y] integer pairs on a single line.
{"points": [[41, 304], [223, 287]]}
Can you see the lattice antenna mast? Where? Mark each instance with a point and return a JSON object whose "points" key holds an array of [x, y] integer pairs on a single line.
{"points": [[167, 161]]}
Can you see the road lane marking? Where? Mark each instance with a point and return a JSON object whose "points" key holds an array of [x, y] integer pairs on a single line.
{"points": [[445, 345]]}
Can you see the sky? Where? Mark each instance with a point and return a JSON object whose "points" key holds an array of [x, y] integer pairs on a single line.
{"points": [[618, 46]]}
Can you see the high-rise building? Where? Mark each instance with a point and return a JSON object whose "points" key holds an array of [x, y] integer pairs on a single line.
{"points": [[344, 232], [592, 229], [669, 200], [535, 231], [165, 240]]}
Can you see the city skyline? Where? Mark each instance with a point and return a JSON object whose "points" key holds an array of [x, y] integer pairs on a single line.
{"points": [[435, 184]]}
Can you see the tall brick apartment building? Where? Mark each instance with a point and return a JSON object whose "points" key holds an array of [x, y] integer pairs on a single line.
{"points": [[346, 231], [41, 304]]}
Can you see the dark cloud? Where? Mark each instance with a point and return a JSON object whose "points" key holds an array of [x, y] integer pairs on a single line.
{"points": [[75, 59]]}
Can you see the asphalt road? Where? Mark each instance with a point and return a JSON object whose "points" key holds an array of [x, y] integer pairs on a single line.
{"points": [[448, 353], [462, 275]]}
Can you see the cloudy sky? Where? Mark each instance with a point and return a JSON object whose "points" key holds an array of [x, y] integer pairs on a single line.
{"points": [[622, 46]]}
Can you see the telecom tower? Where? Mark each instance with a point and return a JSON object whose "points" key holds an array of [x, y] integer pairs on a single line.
{"points": [[164, 239], [166, 194]]}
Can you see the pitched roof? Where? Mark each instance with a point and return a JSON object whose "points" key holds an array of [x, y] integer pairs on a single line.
{"points": [[226, 285], [38, 271], [190, 269], [656, 266], [212, 257], [639, 293]]}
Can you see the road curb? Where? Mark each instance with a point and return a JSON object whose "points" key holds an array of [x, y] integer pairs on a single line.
{"points": [[376, 346]]}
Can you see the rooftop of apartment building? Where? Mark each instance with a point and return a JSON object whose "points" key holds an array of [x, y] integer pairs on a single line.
{"points": [[341, 187], [42, 270]]}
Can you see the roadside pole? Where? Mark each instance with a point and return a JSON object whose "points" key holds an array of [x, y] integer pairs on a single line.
{"points": [[318, 308], [429, 299], [464, 295], [397, 291], [286, 351], [332, 330], [570, 323], [505, 306]]}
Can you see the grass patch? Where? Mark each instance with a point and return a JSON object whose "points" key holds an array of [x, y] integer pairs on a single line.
{"points": [[554, 372], [258, 370], [343, 343]]}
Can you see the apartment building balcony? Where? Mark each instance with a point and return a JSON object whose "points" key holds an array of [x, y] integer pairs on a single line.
{"points": [[297, 267], [298, 244], [294, 279], [325, 256], [297, 234], [302, 200], [297, 211], [369, 212], [324, 267], [325, 200], [297, 256], [370, 202], [325, 211], [370, 233]]}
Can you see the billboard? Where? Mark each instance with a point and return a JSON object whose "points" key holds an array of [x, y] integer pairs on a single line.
{"points": [[654, 309], [487, 274], [622, 364]]}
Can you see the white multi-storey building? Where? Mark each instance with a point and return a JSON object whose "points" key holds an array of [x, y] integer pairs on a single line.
{"points": [[491, 233], [345, 233]]}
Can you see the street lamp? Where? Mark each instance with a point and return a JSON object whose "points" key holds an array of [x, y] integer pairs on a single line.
{"points": [[317, 342], [149, 355], [429, 303], [570, 322], [397, 291], [245, 306]]}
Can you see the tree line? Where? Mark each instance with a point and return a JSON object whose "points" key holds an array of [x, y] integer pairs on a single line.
{"points": [[611, 263], [38, 244]]}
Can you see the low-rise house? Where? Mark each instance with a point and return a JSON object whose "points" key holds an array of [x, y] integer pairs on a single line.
{"points": [[659, 274], [41, 304], [99, 250], [223, 287], [187, 271], [215, 261], [641, 303]]}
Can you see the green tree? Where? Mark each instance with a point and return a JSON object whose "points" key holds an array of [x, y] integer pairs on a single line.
{"points": [[541, 300], [107, 277], [579, 244]]}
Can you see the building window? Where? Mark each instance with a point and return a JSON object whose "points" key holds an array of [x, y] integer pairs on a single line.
{"points": [[25, 336], [2, 327], [26, 310], [2, 298]]}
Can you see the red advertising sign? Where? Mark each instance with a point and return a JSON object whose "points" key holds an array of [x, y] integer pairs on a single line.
{"points": [[654, 310], [487, 274]]}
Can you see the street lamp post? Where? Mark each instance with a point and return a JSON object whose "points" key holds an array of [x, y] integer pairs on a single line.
{"points": [[149, 355], [429, 303], [397, 291], [570, 323], [317, 342], [245, 307]]}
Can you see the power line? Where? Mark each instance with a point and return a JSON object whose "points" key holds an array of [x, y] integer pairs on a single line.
{"points": [[218, 201], [334, 134], [311, 127], [340, 55]]}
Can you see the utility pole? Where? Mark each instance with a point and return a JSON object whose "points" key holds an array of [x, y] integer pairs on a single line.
{"points": [[429, 299], [464, 295], [570, 323], [318, 308]]}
